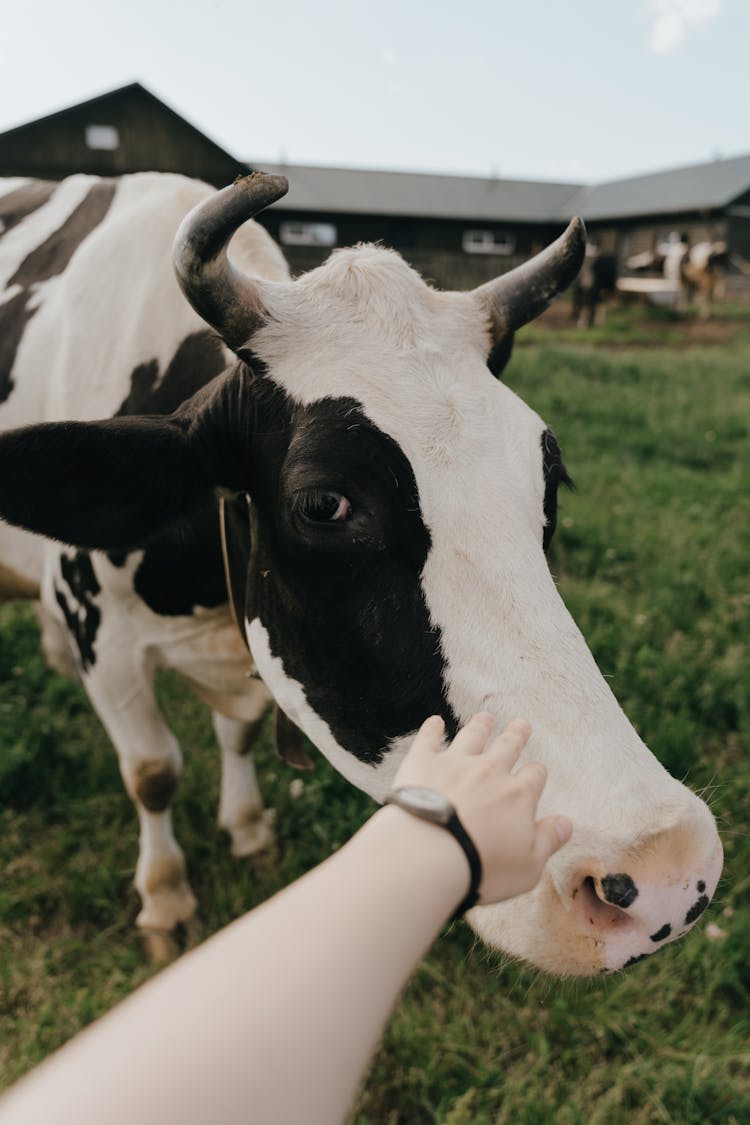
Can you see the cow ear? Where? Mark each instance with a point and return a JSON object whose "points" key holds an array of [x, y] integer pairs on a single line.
{"points": [[110, 485], [500, 354]]}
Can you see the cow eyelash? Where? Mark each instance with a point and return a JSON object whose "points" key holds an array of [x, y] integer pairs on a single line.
{"points": [[321, 506]]}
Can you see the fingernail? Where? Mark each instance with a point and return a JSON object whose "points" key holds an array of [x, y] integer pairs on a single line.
{"points": [[435, 722], [563, 828], [520, 724]]}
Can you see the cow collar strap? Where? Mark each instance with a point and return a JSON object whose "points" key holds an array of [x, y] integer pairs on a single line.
{"points": [[436, 809]]}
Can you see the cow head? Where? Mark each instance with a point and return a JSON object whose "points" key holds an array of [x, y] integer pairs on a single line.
{"points": [[398, 499]]}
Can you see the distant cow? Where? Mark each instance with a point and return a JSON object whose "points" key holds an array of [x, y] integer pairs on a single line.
{"points": [[691, 273], [596, 282], [386, 505]]}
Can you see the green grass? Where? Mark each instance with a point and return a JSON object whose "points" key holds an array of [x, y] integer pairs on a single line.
{"points": [[651, 555]]}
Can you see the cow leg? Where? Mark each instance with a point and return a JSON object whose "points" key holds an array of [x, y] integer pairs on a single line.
{"points": [[55, 644], [150, 763], [241, 811]]}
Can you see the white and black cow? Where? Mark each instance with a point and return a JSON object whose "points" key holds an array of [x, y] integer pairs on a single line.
{"points": [[386, 505]]}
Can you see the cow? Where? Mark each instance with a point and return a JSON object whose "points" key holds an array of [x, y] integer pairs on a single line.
{"points": [[695, 272], [596, 282], [385, 503]]}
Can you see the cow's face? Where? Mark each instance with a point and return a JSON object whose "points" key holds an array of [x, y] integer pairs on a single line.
{"points": [[400, 498], [400, 502]]}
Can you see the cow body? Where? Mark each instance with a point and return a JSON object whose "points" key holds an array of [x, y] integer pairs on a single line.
{"points": [[99, 342], [390, 501], [696, 272], [595, 284]]}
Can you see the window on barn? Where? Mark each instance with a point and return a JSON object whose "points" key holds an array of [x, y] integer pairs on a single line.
{"points": [[102, 137], [307, 234], [488, 242]]}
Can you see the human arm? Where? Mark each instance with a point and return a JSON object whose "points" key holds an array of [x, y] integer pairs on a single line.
{"points": [[275, 1018]]}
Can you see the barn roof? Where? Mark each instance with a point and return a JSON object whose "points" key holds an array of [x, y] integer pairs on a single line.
{"points": [[697, 187], [421, 195]]}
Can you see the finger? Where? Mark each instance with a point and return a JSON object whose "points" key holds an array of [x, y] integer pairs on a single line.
{"points": [[551, 833], [534, 777], [472, 738], [429, 737], [506, 746]]}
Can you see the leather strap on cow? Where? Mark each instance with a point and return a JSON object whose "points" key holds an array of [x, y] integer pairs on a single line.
{"points": [[234, 524]]}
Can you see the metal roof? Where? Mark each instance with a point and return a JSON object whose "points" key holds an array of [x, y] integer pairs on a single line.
{"points": [[422, 195], [697, 187]]}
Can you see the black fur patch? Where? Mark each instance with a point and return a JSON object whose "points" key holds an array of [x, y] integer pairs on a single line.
{"points": [[635, 960], [555, 474], [663, 933], [342, 602], [182, 568], [198, 358], [17, 205], [53, 255], [45, 261], [82, 616], [696, 909], [14, 316]]}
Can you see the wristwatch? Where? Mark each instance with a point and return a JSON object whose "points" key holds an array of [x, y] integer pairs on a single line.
{"points": [[437, 809]]}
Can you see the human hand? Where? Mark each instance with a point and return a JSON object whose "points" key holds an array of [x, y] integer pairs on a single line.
{"points": [[496, 807]]}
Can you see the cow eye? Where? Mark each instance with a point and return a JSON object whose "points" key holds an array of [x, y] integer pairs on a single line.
{"points": [[319, 506]]}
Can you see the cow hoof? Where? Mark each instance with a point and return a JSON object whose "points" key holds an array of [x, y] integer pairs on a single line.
{"points": [[254, 835], [160, 946], [163, 946]]}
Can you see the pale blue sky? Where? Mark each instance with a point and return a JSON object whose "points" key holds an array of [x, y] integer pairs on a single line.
{"points": [[550, 89]]}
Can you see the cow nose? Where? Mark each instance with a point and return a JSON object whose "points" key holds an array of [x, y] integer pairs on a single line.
{"points": [[634, 909]]}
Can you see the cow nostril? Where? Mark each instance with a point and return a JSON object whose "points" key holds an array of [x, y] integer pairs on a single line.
{"points": [[594, 910]]}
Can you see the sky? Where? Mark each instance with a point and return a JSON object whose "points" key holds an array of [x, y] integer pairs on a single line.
{"points": [[567, 90]]}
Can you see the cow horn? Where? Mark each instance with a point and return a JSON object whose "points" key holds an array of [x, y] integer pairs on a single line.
{"points": [[229, 301], [516, 297]]}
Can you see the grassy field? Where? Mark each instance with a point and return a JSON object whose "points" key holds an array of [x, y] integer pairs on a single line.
{"points": [[651, 556]]}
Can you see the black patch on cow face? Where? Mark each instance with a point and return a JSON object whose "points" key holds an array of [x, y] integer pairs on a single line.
{"points": [[183, 568], [635, 960], [17, 205], [619, 890], [46, 261], [663, 933], [82, 616], [555, 474], [696, 909], [341, 599]]}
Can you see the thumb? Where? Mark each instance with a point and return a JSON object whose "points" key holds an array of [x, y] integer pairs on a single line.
{"points": [[551, 833]]}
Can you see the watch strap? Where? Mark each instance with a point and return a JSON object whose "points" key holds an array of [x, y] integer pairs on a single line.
{"points": [[459, 833]]}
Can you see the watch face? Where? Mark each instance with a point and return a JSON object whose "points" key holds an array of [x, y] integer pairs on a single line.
{"points": [[425, 803]]}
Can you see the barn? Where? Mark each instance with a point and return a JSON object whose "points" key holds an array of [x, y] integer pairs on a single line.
{"points": [[458, 231], [124, 130]]}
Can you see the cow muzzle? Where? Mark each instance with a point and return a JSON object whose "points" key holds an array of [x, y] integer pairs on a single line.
{"points": [[652, 895], [604, 907]]}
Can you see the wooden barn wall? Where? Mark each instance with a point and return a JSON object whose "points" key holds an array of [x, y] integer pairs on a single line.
{"points": [[150, 139], [433, 247]]}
